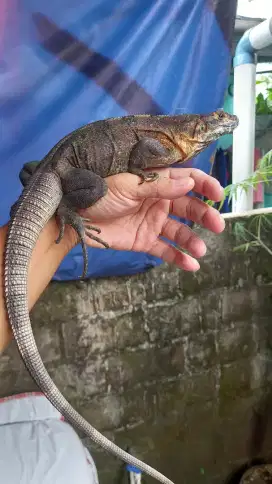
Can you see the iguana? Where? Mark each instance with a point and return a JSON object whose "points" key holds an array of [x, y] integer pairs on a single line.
{"points": [[72, 176]]}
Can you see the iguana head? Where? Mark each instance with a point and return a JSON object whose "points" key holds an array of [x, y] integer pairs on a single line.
{"points": [[185, 136]]}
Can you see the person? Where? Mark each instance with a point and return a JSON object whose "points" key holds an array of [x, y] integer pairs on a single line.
{"points": [[131, 216]]}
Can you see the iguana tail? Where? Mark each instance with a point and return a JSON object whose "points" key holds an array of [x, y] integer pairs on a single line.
{"points": [[31, 213]]}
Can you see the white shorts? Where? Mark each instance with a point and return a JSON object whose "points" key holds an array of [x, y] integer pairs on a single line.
{"points": [[38, 447]]}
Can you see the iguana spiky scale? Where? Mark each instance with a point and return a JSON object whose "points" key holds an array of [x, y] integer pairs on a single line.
{"points": [[72, 176]]}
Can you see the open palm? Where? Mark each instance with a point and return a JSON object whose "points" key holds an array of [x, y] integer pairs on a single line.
{"points": [[135, 216]]}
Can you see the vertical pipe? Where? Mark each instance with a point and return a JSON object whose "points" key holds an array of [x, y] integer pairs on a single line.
{"points": [[244, 135]]}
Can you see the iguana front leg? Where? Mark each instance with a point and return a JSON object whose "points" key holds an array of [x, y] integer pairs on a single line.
{"points": [[147, 152]]}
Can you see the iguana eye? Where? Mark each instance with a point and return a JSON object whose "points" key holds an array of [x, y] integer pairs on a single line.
{"points": [[219, 114]]}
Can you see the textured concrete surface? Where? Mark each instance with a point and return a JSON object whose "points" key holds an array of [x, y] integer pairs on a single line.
{"points": [[177, 365]]}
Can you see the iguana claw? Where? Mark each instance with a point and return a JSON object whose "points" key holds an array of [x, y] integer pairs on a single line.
{"points": [[148, 177], [88, 233]]}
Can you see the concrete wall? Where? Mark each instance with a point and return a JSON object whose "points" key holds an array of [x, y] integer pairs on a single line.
{"points": [[175, 364]]}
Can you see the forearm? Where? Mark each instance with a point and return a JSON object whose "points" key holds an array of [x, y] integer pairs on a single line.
{"points": [[45, 260]]}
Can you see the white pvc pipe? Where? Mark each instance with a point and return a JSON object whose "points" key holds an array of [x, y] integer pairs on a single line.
{"points": [[244, 134], [244, 107], [260, 36], [248, 213]]}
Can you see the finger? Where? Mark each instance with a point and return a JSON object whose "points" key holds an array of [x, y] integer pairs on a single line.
{"points": [[199, 212], [205, 185], [171, 255], [164, 187], [184, 237]]}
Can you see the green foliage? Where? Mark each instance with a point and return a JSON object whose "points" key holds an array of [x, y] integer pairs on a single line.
{"points": [[263, 174], [251, 233], [264, 102]]}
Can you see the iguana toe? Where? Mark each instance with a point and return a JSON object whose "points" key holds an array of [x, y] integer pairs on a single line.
{"points": [[97, 239]]}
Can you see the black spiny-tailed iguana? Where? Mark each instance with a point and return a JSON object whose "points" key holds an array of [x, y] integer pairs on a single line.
{"points": [[71, 177]]}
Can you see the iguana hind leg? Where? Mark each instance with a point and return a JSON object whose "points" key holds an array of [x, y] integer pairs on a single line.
{"points": [[81, 188]]}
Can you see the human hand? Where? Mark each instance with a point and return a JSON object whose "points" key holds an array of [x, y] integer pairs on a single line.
{"points": [[131, 217], [135, 217]]}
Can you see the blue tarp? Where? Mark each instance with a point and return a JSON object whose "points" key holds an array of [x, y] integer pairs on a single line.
{"points": [[67, 63]]}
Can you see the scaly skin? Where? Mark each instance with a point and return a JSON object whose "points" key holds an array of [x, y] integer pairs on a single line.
{"points": [[71, 177]]}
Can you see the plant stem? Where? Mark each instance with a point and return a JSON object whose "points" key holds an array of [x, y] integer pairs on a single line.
{"points": [[259, 240]]}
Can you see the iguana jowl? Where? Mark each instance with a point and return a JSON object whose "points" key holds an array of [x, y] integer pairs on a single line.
{"points": [[71, 177]]}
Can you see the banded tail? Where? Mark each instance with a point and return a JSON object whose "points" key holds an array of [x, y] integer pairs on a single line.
{"points": [[36, 206]]}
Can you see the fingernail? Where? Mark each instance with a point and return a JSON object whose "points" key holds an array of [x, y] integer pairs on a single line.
{"points": [[196, 267], [223, 224], [198, 248], [222, 191], [223, 221]]}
